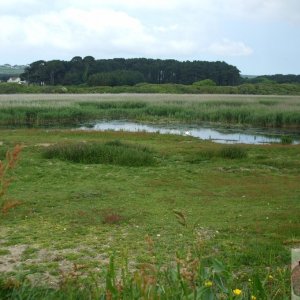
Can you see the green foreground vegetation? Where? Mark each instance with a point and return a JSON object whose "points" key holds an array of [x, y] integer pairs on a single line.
{"points": [[116, 215], [71, 110], [201, 220]]}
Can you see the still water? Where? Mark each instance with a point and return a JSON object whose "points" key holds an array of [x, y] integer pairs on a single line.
{"points": [[219, 135]]}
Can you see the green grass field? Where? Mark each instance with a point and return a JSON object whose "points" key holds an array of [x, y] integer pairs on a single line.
{"points": [[116, 215], [244, 211]]}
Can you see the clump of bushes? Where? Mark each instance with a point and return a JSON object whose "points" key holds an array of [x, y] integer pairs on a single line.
{"points": [[205, 82], [115, 152]]}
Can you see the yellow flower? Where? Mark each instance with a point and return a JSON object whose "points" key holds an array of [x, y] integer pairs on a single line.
{"points": [[253, 297], [208, 283], [271, 277], [237, 292]]}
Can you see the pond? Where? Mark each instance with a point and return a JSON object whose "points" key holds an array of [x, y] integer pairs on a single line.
{"points": [[205, 132]]}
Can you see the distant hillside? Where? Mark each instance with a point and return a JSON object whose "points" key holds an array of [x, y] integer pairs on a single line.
{"points": [[7, 71], [248, 76]]}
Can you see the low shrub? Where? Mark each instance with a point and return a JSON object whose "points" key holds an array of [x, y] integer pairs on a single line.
{"points": [[114, 152]]}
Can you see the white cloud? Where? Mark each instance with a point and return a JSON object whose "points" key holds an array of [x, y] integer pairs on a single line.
{"points": [[71, 28], [230, 48], [166, 29], [100, 32], [180, 29], [260, 10], [123, 4], [10, 4]]}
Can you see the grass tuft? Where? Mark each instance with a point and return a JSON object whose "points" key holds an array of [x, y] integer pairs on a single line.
{"points": [[115, 152], [226, 152], [286, 140], [233, 152]]}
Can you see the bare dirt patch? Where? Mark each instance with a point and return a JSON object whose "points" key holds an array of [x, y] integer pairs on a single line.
{"points": [[43, 145], [14, 259], [11, 260]]}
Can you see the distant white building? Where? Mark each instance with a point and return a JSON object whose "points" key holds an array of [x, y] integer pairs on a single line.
{"points": [[16, 80]]}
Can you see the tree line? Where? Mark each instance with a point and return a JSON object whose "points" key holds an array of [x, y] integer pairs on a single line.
{"points": [[120, 71], [277, 78]]}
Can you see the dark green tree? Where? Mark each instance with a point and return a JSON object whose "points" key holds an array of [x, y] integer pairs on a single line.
{"points": [[79, 70]]}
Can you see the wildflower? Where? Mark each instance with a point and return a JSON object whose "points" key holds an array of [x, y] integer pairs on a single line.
{"points": [[253, 297], [270, 277], [249, 280], [237, 292], [208, 283]]}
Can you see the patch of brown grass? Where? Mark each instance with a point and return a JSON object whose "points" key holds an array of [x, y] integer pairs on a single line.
{"points": [[112, 218], [10, 204], [12, 158]]}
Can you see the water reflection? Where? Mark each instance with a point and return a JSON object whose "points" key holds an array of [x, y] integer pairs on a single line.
{"points": [[229, 136]]}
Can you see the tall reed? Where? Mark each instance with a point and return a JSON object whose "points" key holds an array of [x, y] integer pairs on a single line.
{"points": [[278, 114]]}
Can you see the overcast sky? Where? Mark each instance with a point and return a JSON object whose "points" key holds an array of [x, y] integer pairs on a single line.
{"points": [[257, 36]]}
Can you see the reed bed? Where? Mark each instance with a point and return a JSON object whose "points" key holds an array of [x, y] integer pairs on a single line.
{"points": [[277, 112]]}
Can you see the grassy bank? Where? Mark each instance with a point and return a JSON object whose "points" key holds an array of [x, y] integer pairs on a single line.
{"points": [[57, 110], [198, 200]]}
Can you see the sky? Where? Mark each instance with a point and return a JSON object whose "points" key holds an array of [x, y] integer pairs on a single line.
{"points": [[257, 36]]}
